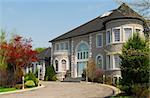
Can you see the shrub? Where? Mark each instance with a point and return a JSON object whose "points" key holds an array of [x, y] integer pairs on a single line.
{"points": [[99, 75], [29, 83], [54, 78], [50, 73], [108, 80], [18, 86], [140, 91], [31, 76]]}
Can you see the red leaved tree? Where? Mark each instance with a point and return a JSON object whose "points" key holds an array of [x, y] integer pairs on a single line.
{"points": [[19, 53]]}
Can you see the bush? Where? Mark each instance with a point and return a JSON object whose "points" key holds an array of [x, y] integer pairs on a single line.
{"points": [[29, 83], [31, 76], [140, 91], [54, 78], [18, 86], [99, 75], [50, 73]]}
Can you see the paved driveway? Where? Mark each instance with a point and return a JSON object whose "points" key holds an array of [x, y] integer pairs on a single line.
{"points": [[65, 90]]}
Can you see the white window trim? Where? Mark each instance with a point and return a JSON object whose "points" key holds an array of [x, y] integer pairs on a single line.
{"points": [[112, 62], [59, 44], [107, 66], [107, 37], [114, 68], [102, 60], [56, 46], [97, 40], [138, 28], [124, 32], [113, 36]]}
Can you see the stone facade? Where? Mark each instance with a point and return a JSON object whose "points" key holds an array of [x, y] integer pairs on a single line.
{"points": [[91, 45]]}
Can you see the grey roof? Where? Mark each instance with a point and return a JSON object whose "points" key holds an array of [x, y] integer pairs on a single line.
{"points": [[44, 54], [97, 24]]}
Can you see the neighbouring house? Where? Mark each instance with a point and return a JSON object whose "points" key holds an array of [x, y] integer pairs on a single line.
{"points": [[101, 39], [44, 59]]}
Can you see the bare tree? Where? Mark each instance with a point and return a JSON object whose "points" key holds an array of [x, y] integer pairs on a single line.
{"points": [[141, 6], [91, 69]]}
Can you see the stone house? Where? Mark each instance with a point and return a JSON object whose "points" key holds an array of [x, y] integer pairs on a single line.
{"points": [[101, 39]]}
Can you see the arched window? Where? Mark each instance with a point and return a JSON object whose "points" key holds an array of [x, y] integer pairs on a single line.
{"points": [[63, 62], [56, 64], [82, 51], [99, 61]]}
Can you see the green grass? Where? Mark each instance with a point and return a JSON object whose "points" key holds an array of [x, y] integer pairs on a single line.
{"points": [[6, 89]]}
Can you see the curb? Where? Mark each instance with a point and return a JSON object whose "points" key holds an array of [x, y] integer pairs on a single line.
{"points": [[23, 90], [115, 89]]}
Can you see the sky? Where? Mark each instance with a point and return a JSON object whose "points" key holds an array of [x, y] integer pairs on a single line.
{"points": [[43, 20]]}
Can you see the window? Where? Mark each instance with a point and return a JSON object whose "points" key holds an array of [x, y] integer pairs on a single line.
{"points": [[99, 40], [99, 61], [63, 65], [62, 47], [82, 51], [108, 61], [116, 35], [108, 36], [56, 64], [66, 45], [128, 33], [116, 61], [57, 46], [137, 30]]}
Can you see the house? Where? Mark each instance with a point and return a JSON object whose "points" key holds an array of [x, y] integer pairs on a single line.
{"points": [[44, 59], [101, 39]]}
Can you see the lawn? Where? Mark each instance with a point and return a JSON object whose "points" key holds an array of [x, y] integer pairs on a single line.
{"points": [[6, 89]]}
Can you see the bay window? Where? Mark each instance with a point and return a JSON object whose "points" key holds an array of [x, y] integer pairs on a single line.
{"points": [[116, 34], [128, 33]]}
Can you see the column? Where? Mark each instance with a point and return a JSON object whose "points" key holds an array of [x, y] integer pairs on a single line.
{"points": [[72, 58], [90, 45]]}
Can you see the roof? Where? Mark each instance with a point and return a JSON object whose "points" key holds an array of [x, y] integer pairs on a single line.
{"points": [[98, 24], [44, 54]]}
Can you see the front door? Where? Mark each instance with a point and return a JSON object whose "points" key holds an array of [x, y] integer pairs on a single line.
{"points": [[80, 67]]}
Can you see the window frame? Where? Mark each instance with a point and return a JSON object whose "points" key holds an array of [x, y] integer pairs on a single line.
{"points": [[113, 35], [114, 63], [98, 40], [57, 44], [102, 67], [107, 43], [124, 37]]}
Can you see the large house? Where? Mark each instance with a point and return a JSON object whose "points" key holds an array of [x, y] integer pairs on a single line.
{"points": [[101, 39]]}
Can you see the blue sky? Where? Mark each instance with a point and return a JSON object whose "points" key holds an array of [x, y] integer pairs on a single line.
{"points": [[43, 20]]}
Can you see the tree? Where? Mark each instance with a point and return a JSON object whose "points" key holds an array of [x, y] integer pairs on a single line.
{"points": [[3, 63], [39, 49], [3, 44], [91, 69], [135, 63], [18, 53]]}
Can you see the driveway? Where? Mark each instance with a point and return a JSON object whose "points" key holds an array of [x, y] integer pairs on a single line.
{"points": [[65, 90]]}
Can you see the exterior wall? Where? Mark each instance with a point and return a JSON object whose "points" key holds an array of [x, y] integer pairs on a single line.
{"points": [[60, 55], [107, 49]]}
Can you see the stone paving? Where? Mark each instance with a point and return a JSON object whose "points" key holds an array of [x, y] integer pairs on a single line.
{"points": [[65, 90]]}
